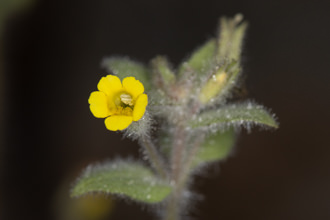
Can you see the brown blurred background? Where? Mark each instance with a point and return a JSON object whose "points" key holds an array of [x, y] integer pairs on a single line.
{"points": [[52, 53]]}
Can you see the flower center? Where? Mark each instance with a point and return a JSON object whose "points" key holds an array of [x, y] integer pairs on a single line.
{"points": [[126, 99]]}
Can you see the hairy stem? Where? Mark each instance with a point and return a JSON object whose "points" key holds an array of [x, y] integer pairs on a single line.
{"points": [[175, 202], [155, 158], [173, 208], [190, 159], [178, 152]]}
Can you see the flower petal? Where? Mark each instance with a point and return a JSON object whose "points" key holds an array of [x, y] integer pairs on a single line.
{"points": [[140, 107], [99, 104], [118, 122], [133, 87], [109, 85]]}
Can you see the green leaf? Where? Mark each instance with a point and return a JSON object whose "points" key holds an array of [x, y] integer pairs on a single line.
{"points": [[201, 60], [162, 72], [123, 178], [215, 147], [124, 67], [245, 114], [230, 38]]}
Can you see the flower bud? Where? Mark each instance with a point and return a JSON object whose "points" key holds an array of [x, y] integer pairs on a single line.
{"points": [[213, 86]]}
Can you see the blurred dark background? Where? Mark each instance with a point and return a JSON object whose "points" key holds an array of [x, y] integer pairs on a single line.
{"points": [[52, 52]]}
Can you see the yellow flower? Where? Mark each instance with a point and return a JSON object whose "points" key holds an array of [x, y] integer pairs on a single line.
{"points": [[120, 103]]}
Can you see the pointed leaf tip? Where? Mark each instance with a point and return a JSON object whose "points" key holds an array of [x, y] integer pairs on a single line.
{"points": [[245, 114], [201, 60]]}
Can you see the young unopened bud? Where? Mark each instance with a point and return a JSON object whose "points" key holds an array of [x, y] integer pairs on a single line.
{"points": [[213, 87], [230, 38], [221, 83]]}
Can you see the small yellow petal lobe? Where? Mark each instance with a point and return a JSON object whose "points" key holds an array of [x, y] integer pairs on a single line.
{"points": [[133, 87], [99, 104], [118, 122], [110, 85], [140, 107]]}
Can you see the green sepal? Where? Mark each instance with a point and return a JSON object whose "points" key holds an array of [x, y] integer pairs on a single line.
{"points": [[123, 178], [244, 114], [201, 61], [215, 147], [124, 67], [137, 129]]}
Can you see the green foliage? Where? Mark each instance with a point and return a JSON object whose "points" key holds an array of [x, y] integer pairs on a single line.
{"points": [[123, 178], [245, 114], [124, 67], [162, 72], [216, 147], [230, 38], [201, 61]]}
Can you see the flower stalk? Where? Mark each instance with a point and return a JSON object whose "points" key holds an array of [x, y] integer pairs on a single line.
{"points": [[155, 158]]}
